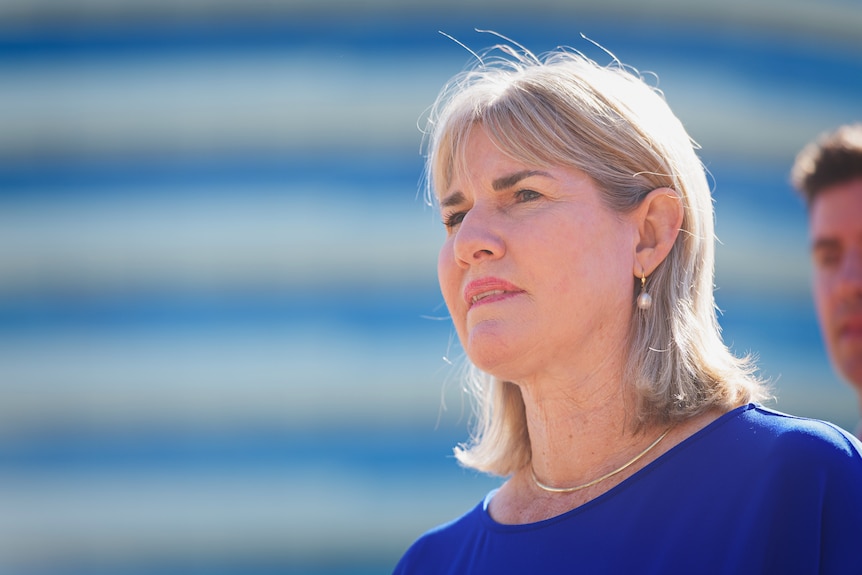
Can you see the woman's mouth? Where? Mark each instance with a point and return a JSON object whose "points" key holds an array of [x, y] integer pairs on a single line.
{"points": [[489, 290]]}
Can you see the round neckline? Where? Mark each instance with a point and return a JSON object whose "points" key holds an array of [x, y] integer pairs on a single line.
{"points": [[620, 487]]}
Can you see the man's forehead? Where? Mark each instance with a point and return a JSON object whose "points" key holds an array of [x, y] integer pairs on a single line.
{"points": [[838, 208]]}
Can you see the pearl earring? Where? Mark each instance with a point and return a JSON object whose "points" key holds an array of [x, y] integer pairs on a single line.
{"points": [[644, 299]]}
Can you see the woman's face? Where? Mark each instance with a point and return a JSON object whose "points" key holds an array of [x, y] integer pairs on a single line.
{"points": [[536, 272]]}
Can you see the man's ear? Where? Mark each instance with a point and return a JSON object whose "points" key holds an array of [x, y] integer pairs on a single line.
{"points": [[658, 219]]}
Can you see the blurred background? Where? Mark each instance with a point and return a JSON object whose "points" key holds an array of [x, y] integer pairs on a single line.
{"points": [[222, 346]]}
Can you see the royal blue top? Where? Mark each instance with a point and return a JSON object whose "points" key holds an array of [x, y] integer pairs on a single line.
{"points": [[756, 491]]}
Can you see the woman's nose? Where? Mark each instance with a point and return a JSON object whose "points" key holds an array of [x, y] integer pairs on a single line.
{"points": [[477, 238]]}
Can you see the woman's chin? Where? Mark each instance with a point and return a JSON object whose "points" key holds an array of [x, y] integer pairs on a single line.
{"points": [[501, 362]]}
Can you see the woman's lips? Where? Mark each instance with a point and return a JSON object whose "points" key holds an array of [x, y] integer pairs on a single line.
{"points": [[489, 290]]}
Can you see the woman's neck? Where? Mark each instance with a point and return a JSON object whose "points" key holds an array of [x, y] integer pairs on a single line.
{"points": [[576, 442], [581, 430]]}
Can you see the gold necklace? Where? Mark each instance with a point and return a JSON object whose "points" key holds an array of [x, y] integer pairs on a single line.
{"points": [[550, 489]]}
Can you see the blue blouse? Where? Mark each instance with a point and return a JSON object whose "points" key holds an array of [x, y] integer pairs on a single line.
{"points": [[756, 491]]}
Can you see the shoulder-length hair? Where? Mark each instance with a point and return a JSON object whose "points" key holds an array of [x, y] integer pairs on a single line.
{"points": [[565, 110]]}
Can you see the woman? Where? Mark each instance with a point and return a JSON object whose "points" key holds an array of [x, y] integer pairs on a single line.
{"points": [[578, 271]]}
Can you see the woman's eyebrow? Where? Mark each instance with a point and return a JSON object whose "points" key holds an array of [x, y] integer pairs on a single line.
{"points": [[499, 184], [452, 199], [512, 179]]}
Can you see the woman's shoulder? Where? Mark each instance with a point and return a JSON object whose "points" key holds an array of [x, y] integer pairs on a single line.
{"points": [[775, 436], [800, 431], [424, 554]]}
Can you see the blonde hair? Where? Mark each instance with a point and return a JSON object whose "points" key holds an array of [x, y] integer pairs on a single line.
{"points": [[563, 109]]}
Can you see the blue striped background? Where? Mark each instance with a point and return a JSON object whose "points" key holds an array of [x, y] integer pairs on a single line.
{"points": [[222, 348]]}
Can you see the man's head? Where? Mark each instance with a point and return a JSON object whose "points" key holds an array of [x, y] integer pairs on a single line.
{"points": [[828, 174]]}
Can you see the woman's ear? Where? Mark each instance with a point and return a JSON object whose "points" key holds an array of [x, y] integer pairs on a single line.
{"points": [[658, 219]]}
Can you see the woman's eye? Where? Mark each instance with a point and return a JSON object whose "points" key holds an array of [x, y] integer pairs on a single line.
{"points": [[453, 219], [527, 195]]}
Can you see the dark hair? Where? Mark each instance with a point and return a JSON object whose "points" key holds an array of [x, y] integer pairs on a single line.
{"points": [[834, 158]]}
